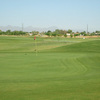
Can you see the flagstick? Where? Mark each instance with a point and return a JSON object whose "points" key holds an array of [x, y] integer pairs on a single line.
{"points": [[35, 47]]}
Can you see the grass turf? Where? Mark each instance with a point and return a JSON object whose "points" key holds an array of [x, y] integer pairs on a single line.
{"points": [[64, 69]]}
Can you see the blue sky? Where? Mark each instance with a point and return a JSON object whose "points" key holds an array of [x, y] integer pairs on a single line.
{"points": [[64, 14]]}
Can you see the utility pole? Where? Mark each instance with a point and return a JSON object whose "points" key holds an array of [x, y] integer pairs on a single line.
{"points": [[22, 26], [87, 28]]}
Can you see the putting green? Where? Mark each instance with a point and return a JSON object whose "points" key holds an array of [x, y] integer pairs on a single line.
{"points": [[63, 71]]}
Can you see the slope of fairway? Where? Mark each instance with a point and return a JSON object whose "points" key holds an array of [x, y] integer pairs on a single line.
{"points": [[88, 46], [27, 44], [69, 71]]}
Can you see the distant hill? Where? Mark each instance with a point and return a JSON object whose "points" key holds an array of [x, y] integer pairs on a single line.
{"points": [[27, 29]]}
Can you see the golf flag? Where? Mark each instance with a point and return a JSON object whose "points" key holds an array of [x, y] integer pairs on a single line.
{"points": [[34, 38]]}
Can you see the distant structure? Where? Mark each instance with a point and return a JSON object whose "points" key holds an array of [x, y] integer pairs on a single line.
{"points": [[30, 34], [22, 26], [87, 28]]}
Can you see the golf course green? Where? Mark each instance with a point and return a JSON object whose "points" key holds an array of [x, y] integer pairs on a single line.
{"points": [[54, 68]]}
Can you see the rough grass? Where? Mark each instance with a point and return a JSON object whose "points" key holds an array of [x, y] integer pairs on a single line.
{"points": [[64, 69]]}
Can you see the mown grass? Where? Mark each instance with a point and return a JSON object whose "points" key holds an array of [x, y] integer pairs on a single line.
{"points": [[63, 69]]}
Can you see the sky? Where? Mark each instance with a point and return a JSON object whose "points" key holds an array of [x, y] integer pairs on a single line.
{"points": [[63, 14]]}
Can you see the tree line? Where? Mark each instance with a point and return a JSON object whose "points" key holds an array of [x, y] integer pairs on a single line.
{"points": [[9, 32], [58, 32], [49, 33]]}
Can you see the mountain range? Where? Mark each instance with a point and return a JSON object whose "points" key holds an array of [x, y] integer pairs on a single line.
{"points": [[27, 29]]}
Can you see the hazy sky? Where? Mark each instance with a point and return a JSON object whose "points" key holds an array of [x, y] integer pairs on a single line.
{"points": [[64, 14]]}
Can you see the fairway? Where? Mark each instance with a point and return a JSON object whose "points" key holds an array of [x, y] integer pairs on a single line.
{"points": [[63, 69]]}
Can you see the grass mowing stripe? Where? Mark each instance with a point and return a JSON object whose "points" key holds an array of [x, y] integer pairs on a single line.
{"points": [[69, 72]]}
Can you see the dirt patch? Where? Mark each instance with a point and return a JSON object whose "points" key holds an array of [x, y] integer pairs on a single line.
{"points": [[87, 36]]}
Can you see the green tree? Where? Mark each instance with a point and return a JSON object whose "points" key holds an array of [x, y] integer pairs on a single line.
{"points": [[63, 32], [8, 32], [69, 31], [54, 34], [97, 31], [35, 32], [83, 33], [0, 32], [48, 33], [92, 34], [57, 31]]}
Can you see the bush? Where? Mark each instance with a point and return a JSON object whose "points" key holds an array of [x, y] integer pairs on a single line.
{"points": [[76, 34], [71, 35], [65, 35], [54, 34]]}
